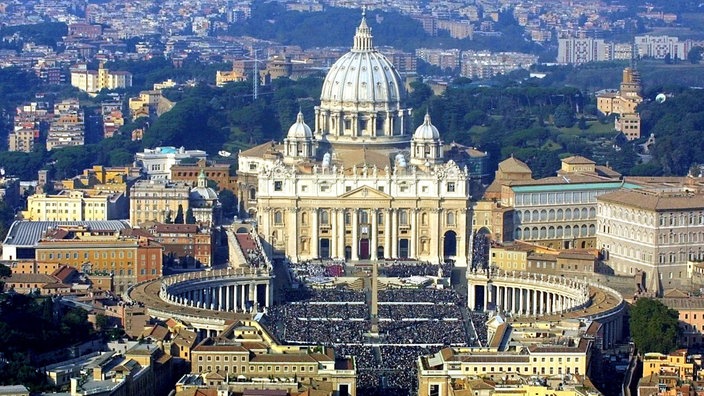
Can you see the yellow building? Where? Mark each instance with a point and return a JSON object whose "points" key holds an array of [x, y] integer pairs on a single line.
{"points": [[624, 103], [22, 140], [70, 205], [228, 76], [103, 178], [674, 364], [157, 200], [246, 351], [438, 373]]}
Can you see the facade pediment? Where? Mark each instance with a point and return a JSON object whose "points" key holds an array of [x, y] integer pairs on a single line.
{"points": [[365, 192]]}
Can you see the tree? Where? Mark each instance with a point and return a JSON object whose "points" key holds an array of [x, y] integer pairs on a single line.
{"points": [[695, 55], [564, 116], [229, 202], [190, 219], [582, 124], [654, 326], [179, 215]]}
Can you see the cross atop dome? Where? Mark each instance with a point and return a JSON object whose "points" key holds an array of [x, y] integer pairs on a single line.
{"points": [[363, 38]]}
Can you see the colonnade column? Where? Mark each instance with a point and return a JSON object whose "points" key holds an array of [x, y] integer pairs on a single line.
{"points": [[534, 302], [243, 297], [228, 298], [355, 235], [521, 301], [292, 231], [375, 234]]}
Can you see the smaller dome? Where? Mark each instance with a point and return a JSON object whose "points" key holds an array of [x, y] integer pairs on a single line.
{"points": [[202, 194], [299, 130], [427, 131]]}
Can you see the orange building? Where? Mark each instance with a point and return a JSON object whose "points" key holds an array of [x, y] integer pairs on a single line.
{"points": [[127, 260]]}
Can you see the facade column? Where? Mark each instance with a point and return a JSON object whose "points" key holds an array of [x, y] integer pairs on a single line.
{"points": [[341, 232], [355, 235], [375, 234], [387, 233], [228, 307], [243, 297], [535, 302], [333, 238], [315, 240], [292, 233], [394, 233], [414, 237], [266, 295]]}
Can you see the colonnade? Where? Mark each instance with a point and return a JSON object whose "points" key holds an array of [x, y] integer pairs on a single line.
{"points": [[522, 300], [229, 290], [225, 297], [524, 294]]}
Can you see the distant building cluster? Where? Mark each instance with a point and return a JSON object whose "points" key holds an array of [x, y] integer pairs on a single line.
{"points": [[583, 50], [92, 82]]}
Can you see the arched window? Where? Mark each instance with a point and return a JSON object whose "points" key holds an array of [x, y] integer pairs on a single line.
{"points": [[348, 218], [278, 218], [380, 218], [364, 217], [252, 193], [304, 218], [324, 218], [403, 217], [450, 218], [424, 219]]}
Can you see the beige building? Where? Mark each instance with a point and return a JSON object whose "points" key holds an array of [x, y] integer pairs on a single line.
{"points": [[223, 77], [656, 230], [359, 185], [442, 372], [92, 81], [246, 351], [22, 140], [157, 201], [624, 103], [67, 128], [70, 205]]}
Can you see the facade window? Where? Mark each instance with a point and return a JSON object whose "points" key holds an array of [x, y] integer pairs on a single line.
{"points": [[278, 218], [450, 218], [451, 187], [324, 218], [278, 185], [403, 217]]}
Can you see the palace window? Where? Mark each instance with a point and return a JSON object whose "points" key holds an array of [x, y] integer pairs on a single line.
{"points": [[278, 185], [451, 187], [278, 218]]}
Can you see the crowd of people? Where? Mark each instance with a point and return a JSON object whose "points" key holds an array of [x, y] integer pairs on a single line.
{"points": [[480, 251], [406, 269], [412, 322], [478, 322], [446, 296], [317, 269]]}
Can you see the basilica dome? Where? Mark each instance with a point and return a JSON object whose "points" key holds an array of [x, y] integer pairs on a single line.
{"points": [[363, 76]]}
